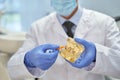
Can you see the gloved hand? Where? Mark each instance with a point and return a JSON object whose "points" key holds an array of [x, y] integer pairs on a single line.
{"points": [[88, 56], [40, 57]]}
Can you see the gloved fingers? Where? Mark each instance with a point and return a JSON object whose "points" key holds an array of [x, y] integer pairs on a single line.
{"points": [[80, 58], [87, 45], [86, 60], [79, 64], [88, 55], [83, 61], [82, 41], [45, 47], [82, 54], [47, 61], [53, 54], [46, 66]]}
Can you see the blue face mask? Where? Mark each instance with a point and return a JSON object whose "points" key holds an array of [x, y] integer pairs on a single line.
{"points": [[64, 7]]}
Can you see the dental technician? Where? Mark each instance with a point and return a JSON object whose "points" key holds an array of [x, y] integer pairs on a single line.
{"points": [[96, 31]]}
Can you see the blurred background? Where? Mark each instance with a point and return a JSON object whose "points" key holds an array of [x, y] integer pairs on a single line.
{"points": [[19, 14], [16, 17]]}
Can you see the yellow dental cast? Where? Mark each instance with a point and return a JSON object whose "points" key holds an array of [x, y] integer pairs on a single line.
{"points": [[72, 50]]}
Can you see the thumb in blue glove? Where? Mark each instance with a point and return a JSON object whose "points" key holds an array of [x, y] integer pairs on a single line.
{"points": [[39, 56], [88, 56]]}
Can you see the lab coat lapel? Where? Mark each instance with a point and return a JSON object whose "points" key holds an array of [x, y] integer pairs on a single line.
{"points": [[58, 27], [84, 26]]}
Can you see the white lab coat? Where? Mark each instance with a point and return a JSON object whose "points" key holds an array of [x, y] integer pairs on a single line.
{"points": [[93, 26]]}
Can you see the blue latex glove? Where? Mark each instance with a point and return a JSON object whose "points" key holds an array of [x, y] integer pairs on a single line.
{"points": [[40, 56], [88, 56]]}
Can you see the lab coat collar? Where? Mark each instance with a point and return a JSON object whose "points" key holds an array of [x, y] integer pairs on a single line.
{"points": [[84, 25], [74, 19]]}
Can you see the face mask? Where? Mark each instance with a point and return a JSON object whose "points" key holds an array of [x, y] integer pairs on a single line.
{"points": [[64, 7]]}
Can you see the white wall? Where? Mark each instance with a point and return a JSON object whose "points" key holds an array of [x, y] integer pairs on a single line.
{"points": [[110, 7]]}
